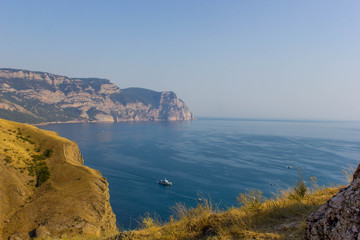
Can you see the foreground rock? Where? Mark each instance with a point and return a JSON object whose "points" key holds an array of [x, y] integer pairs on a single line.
{"points": [[339, 218], [45, 190], [39, 97]]}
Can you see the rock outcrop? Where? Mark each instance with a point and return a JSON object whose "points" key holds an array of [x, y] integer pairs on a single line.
{"points": [[339, 218], [46, 191], [39, 97]]}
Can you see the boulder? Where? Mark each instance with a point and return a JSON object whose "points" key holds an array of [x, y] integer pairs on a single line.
{"points": [[339, 218]]}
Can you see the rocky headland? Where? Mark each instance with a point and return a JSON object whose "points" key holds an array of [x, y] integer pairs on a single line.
{"points": [[46, 191], [40, 97]]}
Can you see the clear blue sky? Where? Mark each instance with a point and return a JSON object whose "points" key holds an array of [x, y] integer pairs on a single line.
{"points": [[233, 58]]}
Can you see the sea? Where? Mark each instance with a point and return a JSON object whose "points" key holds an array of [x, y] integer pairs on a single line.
{"points": [[214, 159]]}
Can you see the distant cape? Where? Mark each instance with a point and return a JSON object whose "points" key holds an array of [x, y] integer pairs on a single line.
{"points": [[40, 97]]}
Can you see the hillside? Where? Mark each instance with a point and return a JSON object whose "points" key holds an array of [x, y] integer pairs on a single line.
{"points": [[46, 190], [39, 97]]}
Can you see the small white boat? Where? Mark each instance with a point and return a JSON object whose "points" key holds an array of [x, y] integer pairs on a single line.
{"points": [[165, 182]]}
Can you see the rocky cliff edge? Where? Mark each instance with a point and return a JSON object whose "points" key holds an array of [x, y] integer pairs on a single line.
{"points": [[45, 190]]}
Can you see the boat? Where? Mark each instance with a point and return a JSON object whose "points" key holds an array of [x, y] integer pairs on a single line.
{"points": [[165, 182]]}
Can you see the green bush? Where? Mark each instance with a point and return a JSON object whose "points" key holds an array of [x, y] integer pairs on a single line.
{"points": [[300, 188], [36, 157], [8, 159], [48, 153], [42, 174], [39, 168]]}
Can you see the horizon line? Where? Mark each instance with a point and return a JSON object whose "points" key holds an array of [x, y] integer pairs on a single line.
{"points": [[272, 119]]}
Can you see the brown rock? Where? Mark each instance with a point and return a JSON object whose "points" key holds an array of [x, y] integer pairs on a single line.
{"points": [[42, 231], [19, 236], [339, 218]]}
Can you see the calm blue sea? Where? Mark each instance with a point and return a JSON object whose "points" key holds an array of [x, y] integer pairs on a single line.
{"points": [[215, 158]]}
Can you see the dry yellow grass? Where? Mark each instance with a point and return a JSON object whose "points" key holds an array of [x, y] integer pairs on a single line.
{"points": [[66, 237], [71, 199], [282, 217]]}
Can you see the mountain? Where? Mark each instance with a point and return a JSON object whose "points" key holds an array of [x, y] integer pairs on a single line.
{"points": [[45, 190], [40, 97]]}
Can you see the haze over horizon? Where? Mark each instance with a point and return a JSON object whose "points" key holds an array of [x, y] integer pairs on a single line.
{"points": [[239, 59]]}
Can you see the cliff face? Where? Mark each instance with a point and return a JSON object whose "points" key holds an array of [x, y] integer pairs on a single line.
{"points": [[45, 190], [36, 97]]}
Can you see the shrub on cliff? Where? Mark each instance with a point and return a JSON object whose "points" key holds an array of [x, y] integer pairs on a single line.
{"points": [[42, 174]]}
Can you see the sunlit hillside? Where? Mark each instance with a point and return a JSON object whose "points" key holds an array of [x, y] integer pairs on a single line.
{"points": [[45, 189]]}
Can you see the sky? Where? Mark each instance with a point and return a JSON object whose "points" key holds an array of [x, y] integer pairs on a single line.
{"points": [[274, 59]]}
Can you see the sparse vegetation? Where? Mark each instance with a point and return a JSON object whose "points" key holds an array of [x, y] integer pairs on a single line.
{"points": [[36, 166], [42, 173], [8, 159], [39, 168], [20, 189], [27, 139], [348, 173], [300, 188], [48, 153], [251, 200], [281, 217]]}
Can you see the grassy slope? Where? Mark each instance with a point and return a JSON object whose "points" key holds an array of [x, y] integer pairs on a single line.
{"points": [[72, 189], [280, 218]]}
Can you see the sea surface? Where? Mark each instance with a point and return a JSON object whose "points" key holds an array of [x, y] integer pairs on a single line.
{"points": [[212, 158]]}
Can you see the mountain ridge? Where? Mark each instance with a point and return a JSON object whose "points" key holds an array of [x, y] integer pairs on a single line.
{"points": [[41, 97]]}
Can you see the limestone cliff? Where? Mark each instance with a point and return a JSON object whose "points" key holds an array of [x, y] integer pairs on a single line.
{"points": [[38, 97], [45, 190]]}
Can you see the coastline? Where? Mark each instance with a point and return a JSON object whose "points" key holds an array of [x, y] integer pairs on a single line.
{"points": [[118, 121]]}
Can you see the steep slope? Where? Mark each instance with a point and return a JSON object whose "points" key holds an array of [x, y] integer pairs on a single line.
{"points": [[37, 97], [46, 190]]}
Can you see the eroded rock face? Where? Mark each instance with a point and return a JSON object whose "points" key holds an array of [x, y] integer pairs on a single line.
{"points": [[37, 97], [339, 218]]}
